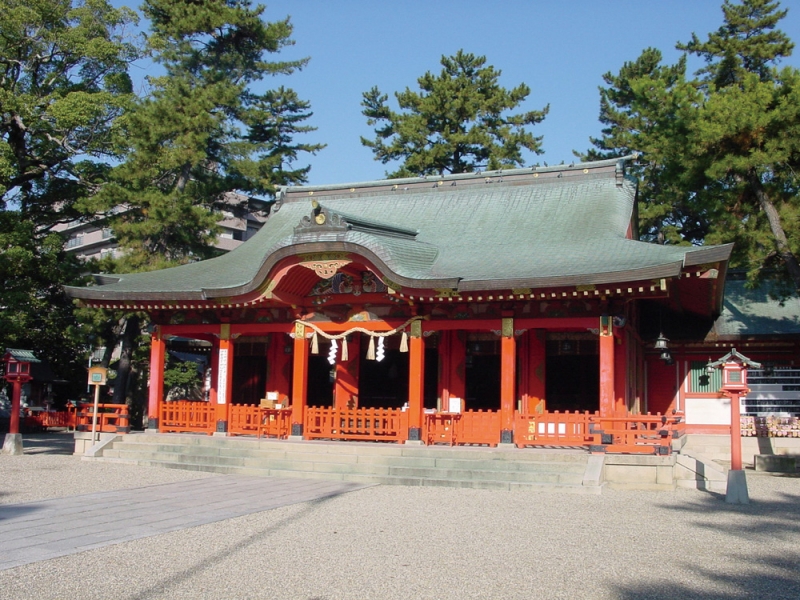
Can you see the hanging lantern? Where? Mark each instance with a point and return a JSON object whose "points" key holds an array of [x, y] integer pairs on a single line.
{"points": [[661, 342]]}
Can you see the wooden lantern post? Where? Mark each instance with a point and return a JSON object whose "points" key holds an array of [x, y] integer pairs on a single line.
{"points": [[734, 385], [17, 372]]}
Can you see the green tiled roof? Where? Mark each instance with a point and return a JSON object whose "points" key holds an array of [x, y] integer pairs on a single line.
{"points": [[749, 312], [22, 355], [532, 228]]}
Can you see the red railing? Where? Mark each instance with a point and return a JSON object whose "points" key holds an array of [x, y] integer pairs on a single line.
{"points": [[469, 427], [440, 428], [249, 419], [374, 424], [111, 418], [554, 429], [640, 434], [187, 416], [243, 419], [275, 422], [67, 418]]}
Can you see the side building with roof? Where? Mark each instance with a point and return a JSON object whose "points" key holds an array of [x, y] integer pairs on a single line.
{"points": [[514, 306]]}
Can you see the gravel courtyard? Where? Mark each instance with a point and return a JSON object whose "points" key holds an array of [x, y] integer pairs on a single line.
{"points": [[406, 542]]}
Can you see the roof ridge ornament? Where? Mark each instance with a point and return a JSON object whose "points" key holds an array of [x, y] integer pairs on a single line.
{"points": [[321, 219]]}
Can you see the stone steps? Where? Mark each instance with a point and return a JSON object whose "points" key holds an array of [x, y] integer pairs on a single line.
{"points": [[393, 464]]}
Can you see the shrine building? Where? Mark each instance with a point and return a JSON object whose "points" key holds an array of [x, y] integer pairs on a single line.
{"points": [[513, 306]]}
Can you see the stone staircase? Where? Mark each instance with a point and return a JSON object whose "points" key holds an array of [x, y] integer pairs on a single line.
{"points": [[563, 470]]}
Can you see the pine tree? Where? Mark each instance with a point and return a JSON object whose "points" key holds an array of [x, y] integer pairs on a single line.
{"points": [[201, 133], [720, 150], [458, 122], [195, 137]]}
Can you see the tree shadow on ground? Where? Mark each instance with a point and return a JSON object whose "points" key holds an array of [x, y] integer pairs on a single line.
{"points": [[775, 577], [57, 442], [162, 588], [763, 575]]}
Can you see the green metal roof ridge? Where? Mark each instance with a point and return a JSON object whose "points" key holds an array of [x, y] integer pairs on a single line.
{"points": [[464, 176]]}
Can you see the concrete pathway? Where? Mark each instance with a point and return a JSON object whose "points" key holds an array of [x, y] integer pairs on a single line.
{"points": [[47, 529]]}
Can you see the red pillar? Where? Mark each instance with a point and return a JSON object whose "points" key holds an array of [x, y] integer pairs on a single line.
{"points": [[452, 358], [345, 388], [606, 368], [508, 377], [224, 378], [212, 393], [443, 379], [158, 349], [16, 399], [299, 379], [416, 382], [533, 350], [736, 432], [279, 367], [621, 375]]}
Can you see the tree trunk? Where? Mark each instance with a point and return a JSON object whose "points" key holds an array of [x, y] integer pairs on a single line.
{"points": [[121, 384], [774, 220]]}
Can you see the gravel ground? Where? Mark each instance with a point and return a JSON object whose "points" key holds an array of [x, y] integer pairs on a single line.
{"points": [[400, 542]]}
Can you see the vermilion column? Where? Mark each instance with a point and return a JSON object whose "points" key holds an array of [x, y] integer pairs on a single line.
{"points": [[416, 382], [299, 379], [224, 378], [452, 358], [443, 379], [345, 388], [621, 375], [278, 367], [533, 369], [508, 377], [606, 368], [16, 398], [156, 391]]}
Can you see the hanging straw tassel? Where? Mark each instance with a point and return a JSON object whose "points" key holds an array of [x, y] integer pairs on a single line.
{"points": [[404, 342], [345, 356], [371, 349], [314, 344]]}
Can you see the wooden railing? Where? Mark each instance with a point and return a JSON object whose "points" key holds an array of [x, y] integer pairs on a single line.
{"points": [[275, 422], [469, 427], [243, 419], [249, 419], [187, 416], [62, 418], [440, 428], [640, 434], [111, 418], [374, 424], [554, 429], [44, 419]]}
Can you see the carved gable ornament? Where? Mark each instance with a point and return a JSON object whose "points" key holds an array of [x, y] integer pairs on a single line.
{"points": [[325, 264]]}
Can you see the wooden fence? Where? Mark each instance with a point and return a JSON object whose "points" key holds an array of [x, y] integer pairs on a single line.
{"points": [[469, 427], [243, 419], [640, 434], [554, 429], [187, 416], [249, 419], [111, 418], [373, 424], [66, 418]]}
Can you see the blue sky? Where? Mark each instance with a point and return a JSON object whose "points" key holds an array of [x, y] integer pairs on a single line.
{"points": [[560, 49]]}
